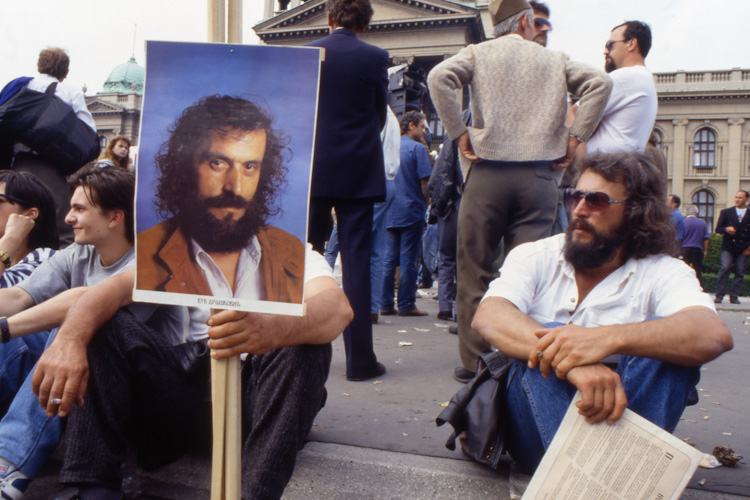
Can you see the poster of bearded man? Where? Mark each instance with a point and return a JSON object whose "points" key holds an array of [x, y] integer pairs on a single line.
{"points": [[223, 177]]}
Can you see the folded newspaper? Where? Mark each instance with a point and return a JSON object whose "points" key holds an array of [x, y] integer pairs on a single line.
{"points": [[631, 459]]}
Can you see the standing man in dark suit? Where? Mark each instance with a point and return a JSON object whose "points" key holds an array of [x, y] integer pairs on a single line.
{"points": [[348, 173], [734, 224]]}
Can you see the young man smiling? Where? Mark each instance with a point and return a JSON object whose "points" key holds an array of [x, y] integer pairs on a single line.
{"points": [[101, 216]]}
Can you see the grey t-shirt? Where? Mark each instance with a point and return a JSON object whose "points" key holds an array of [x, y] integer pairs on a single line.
{"points": [[80, 265], [74, 266]]}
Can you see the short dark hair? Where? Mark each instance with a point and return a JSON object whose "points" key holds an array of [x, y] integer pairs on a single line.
{"points": [[410, 117], [647, 221], [747, 194], [54, 62], [675, 199], [539, 7], [221, 114], [109, 188], [31, 192], [351, 14], [640, 31]]}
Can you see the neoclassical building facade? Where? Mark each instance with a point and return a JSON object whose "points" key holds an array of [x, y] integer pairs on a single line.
{"points": [[703, 124], [117, 108]]}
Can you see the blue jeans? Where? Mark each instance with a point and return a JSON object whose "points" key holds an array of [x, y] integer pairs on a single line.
{"points": [[447, 235], [17, 358], [731, 263], [656, 390], [27, 436], [379, 247], [332, 249], [403, 251]]}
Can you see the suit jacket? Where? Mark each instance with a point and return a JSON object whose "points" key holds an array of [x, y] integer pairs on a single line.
{"points": [[738, 241], [166, 263], [348, 160]]}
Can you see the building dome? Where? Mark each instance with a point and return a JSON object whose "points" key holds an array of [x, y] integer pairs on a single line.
{"points": [[126, 78]]}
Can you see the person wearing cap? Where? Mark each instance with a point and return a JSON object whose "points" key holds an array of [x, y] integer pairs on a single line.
{"points": [[517, 142]]}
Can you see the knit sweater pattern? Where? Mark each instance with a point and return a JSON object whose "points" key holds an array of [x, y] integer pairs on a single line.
{"points": [[518, 98]]}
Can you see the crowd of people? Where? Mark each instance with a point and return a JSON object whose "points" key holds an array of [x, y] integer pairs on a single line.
{"points": [[547, 145]]}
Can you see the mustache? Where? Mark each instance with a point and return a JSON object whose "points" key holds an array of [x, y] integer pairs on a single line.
{"points": [[582, 224], [225, 199]]}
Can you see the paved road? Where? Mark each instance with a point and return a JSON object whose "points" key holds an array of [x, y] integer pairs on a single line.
{"points": [[383, 432]]}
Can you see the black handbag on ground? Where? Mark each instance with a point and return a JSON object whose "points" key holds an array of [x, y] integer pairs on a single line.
{"points": [[48, 125], [476, 411]]}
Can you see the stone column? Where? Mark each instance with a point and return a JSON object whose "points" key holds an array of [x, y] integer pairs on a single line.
{"points": [[680, 164], [734, 156]]}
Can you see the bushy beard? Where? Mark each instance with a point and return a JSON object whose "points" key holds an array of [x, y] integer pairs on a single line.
{"points": [[590, 255], [609, 65], [221, 235]]}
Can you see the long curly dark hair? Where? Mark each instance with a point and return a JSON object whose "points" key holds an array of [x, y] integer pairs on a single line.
{"points": [[648, 223], [176, 160]]}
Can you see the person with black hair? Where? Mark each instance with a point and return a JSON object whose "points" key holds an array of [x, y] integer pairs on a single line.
{"points": [[631, 109], [101, 216], [28, 233], [348, 169]]}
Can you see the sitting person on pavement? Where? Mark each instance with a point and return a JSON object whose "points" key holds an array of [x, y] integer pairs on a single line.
{"points": [[101, 215], [601, 280], [219, 176], [28, 234]]}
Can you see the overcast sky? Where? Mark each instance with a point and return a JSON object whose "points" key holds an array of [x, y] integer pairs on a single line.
{"points": [[688, 34]]}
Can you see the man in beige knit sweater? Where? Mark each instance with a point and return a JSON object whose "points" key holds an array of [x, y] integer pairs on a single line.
{"points": [[517, 141]]}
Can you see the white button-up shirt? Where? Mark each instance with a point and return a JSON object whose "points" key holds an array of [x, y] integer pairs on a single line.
{"points": [[538, 280], [247, 280]]}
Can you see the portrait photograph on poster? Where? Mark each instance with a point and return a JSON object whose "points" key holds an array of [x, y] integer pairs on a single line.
{"points": [[223, 175]]}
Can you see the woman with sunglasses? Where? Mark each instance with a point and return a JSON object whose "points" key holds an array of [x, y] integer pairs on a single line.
{"points": [[28, 231]]}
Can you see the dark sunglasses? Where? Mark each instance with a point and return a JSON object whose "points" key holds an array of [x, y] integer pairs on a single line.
{"points": [[611, 43], [540, 22], [595, 200], [13, 199]]}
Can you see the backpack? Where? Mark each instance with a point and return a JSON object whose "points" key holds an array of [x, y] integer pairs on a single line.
{"points": [[48, 125]]}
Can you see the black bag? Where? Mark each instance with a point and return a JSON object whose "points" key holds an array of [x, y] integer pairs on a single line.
{"points": [[476, 411], [48, 125]]}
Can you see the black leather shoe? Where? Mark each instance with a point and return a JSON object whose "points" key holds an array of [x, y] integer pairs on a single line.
{"points": [[445, 315], [463, 375], [734, 300], [718, 300], [379, 370]]}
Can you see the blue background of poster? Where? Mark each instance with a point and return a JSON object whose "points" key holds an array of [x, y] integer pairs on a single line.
{"points": [[284, 80]]}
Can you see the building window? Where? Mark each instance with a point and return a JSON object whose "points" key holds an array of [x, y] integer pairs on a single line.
{"points": [[704, 200], [704, 149]]}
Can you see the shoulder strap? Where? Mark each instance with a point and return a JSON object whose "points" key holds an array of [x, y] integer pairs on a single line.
{"points": [[51, 89]]}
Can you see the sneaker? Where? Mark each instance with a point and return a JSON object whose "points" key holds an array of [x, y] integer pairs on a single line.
{"points": [[13, 482]]}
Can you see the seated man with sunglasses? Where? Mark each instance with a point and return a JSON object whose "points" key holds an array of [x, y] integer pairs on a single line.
{"points": [[594, 287]]}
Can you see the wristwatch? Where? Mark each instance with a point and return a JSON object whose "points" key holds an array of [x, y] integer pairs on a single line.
{"points": [[5, 258]]}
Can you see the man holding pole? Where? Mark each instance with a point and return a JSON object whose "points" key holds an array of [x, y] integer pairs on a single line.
{"points": [[135, 378]]}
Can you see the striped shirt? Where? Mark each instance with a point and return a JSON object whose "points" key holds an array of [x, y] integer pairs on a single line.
{"points": [[23, 269]]}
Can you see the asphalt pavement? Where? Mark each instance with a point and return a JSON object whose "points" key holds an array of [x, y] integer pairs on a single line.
{"points": [[378, 439]]}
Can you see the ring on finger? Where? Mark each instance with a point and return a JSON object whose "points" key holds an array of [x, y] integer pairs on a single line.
{"points": [[539, 355], [55, 401]]}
